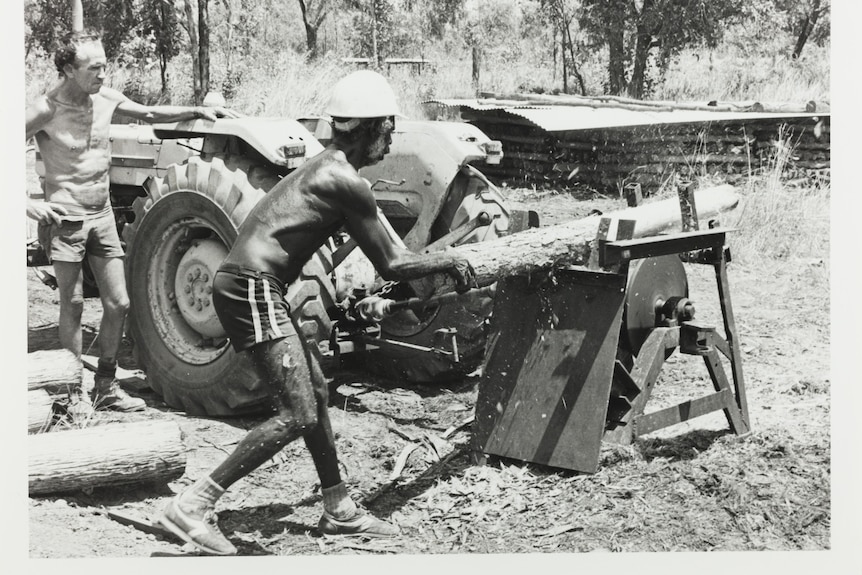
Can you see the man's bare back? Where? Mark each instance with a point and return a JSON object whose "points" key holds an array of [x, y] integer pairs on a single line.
{"points": [[301, 212]]}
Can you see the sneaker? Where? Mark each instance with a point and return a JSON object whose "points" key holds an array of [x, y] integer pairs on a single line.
{"points": [[107, 394], [360, 524], [199, 529]]}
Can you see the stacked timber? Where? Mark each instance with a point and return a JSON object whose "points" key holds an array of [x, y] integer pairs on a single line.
{"points": [[652, 155]]}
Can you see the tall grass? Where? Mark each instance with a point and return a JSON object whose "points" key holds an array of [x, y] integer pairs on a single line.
{"points": [[781, 218], [729, 74]]}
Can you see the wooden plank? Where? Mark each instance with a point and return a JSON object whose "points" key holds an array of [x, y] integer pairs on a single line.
{"points": [[647, 423], [548, 370]]}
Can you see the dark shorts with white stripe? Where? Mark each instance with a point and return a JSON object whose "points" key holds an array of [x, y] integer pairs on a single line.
{"points": [[250, 305]]}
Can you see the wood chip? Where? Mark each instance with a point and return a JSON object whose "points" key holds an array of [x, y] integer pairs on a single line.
{"points": [[558, 530]]}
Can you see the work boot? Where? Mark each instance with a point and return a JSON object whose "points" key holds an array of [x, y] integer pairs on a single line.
{"points": [[200, 528], [361, 523], [80, 407], [107, 394]]}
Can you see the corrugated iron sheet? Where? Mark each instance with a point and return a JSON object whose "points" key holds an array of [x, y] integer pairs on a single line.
{"points": [[569, 118]]}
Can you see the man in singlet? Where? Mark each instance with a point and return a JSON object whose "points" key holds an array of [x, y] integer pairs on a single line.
{"points": [[274, 242], [71, 124]]}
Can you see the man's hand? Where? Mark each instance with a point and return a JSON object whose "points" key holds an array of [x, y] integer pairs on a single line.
{"points": [[373, 308], [464, 275], [214, 112], [45, 212]]}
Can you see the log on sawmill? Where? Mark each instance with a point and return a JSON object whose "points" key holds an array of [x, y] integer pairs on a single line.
{"points": [[40, 409], [571, 243], [105, 455], [56, 371]]}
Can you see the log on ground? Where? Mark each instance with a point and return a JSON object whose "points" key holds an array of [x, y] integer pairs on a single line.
{"points": [[55, 370], [571, 243], [40, 409], [105, 455]]}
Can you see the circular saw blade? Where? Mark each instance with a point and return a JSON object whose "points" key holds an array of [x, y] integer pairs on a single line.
{"points": [[651, 281]]}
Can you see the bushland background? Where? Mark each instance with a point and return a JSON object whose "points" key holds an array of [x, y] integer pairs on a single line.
{"points": [[279, 57]]}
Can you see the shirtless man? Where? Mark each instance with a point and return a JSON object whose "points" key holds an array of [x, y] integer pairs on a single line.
{"points": [[277, 238], [71, 124]]}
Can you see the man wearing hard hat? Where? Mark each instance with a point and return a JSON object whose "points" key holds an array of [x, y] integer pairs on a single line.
{"points": [[278, 237], [71, 124]]}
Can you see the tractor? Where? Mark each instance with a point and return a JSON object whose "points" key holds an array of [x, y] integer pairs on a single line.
{"points": [[181, 190]]}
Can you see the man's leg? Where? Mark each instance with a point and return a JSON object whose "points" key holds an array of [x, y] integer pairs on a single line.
{"points": [[340, 516], [189, 514], [111, 279], [293, 401], [70, 284]]}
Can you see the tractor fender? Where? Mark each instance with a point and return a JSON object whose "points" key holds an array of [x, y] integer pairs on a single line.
{"points": [[281, 141]]}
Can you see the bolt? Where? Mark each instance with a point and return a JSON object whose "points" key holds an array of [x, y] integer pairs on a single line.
{"points": [[187, 288], [197, 273], [200, 305], [209, 290], [190, 277], [172, 296], [206, 303], [206, 278], [192, 300]]}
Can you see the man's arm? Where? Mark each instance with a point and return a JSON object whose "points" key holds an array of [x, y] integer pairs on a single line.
{"points": [[157, 114], [36, 116], [391, 261]]}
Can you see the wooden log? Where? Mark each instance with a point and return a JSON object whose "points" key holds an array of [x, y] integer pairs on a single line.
{"points": [[571, 243], [105, 455], [39, 410], [56, 371]]}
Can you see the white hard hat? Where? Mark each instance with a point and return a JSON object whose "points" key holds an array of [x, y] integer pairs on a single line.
{"points": [[362, 94]]}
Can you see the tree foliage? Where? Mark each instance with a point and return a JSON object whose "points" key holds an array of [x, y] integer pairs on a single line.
{"points": [[134, 32], [627, 43], [635, 31]]}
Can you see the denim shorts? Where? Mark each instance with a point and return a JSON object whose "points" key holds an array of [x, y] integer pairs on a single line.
{"points": [[71, 240]]}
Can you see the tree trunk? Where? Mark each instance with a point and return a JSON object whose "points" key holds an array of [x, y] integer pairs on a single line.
{"points": [[477, 67], [806, 28], [112, 454], [643, 43], [311, 29], [57, 371], [616, 62], [375, 54], [204, 49], [163, 57], [571, 243], [192, 27], [39, 410]]}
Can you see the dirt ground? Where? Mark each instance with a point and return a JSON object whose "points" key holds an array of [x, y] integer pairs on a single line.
{"points": [[692, 487]]}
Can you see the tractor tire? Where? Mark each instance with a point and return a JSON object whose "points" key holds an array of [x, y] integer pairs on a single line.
{"points": [[182, 231]]}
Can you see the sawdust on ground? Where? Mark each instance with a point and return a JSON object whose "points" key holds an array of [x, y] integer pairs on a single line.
{"points": [[693, 487]]}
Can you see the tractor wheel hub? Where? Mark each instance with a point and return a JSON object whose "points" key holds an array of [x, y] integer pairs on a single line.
{"points": [[193, 286]]}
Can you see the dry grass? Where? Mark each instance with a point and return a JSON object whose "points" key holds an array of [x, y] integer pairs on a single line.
{"points": [[726, 74], [781, 217]]}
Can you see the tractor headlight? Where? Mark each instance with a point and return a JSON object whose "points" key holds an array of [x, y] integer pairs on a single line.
{"points": [[493, 151], [293, 154]]}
